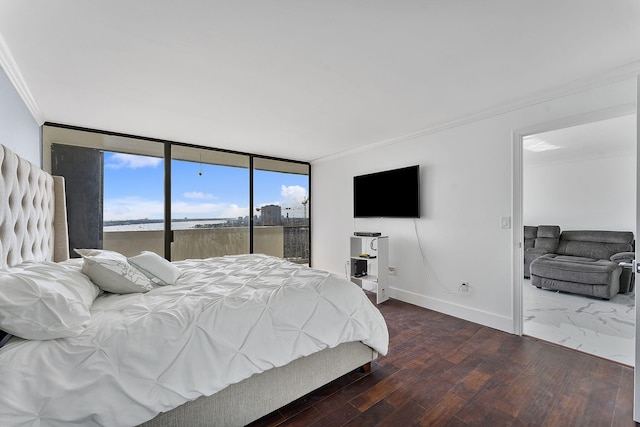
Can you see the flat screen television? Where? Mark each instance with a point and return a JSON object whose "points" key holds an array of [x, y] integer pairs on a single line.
{"points": [[388, 194]]}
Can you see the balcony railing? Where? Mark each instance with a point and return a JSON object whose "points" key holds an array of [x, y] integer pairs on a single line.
{"points": [[289, 242]]}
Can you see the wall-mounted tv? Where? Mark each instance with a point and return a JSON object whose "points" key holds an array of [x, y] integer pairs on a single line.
{"points": [[387, 194]]}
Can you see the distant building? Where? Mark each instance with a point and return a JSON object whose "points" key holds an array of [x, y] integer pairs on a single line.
{"points": [[271, 215]]}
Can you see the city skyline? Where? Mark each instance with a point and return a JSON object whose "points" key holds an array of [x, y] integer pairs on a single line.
{"points": [[133, 189]]}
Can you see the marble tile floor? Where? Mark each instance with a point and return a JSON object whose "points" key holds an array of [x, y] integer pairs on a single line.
{"points": [[591, 325]]}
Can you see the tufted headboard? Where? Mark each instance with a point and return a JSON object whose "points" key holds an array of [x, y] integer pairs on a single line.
{"points": [[33, 215]]}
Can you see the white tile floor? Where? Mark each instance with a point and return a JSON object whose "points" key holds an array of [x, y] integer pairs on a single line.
{"points": [[592, 325]]}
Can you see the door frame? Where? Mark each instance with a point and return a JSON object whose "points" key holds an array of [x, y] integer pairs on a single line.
{"points": [[517, 210], [636, 371]]}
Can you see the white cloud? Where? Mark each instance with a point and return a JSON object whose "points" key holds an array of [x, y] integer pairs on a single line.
{"points": [[131, 161], [292, 195], [235, 211], [132, 208], [197, 195], [291, 198], [182, 209], [129, 208]]}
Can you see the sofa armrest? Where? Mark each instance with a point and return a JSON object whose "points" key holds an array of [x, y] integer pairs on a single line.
{"points": [[623, 257]]}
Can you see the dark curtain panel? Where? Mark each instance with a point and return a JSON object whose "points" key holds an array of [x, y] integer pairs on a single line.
{"points": [[82, 169]]}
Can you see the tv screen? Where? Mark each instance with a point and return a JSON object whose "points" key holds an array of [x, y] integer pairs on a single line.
{"points": [[391, 194]]}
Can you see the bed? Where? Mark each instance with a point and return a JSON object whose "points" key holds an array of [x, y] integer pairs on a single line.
{"points": [[229, 340]]}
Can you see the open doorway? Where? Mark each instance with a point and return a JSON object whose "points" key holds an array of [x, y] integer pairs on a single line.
{"points": [[581, 177]]}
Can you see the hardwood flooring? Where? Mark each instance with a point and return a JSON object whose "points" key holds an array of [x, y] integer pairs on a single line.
{"points": [[443, 371]]}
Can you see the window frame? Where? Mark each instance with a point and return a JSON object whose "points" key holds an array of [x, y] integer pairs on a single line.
{"points": [[48, 140]]}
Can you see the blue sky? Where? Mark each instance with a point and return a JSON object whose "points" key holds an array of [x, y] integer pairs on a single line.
{"points": [[133, 189]]}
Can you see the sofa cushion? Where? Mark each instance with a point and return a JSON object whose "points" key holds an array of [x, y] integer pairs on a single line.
{"points": [[530, 234], [548, 231], [594, 244], [583, 270], [547, 238], [546, 244]]}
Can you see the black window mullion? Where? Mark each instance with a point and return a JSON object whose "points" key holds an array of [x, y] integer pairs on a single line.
{"points": [[251, 204], [168, 233], [309, 215]]}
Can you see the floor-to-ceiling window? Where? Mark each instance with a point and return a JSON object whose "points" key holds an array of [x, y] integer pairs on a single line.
{"points": [[180, 201], [281, 209], [133, 203], [209, 203], [115, 195]]}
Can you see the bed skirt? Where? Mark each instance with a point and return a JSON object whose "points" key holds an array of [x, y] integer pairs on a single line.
{"points": [[244, 402]]}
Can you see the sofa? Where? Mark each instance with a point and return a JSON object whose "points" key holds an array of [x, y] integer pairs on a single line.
{"points": [[538, 241], [585, 262]]}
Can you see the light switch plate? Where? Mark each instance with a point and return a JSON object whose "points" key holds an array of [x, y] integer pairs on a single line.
{"points": [[505, 221]]}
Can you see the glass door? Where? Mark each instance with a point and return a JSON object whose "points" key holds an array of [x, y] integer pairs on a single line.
{"points": [[114, 187], [209, 203], [281, 209], [133, 203], [130, 194]]}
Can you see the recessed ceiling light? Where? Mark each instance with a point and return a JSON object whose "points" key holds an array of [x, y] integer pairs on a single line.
{"points": [[537, 144]]}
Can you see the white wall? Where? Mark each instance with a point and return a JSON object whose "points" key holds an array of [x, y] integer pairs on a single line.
{"points": [[18, 129], [587, 194], [466, 187], [636, 372]]}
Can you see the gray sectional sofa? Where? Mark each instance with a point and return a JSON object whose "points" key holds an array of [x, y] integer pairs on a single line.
{"points": [[584, 262], [538, 241]]}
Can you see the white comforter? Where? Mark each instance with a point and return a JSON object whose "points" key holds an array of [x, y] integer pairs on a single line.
{"points": [[225, 320]]}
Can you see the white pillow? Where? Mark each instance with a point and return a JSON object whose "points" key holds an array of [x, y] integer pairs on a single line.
{"points": [[112, 273], [43, 301], [156, 268]]}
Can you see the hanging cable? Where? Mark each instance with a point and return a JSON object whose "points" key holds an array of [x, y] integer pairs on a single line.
{"points": [[427, 267]]}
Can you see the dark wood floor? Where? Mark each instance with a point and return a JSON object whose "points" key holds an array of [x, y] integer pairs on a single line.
{"points": [[443, 371]]}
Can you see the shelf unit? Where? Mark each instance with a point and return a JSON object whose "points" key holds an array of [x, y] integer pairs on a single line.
{"points": [[377, 278]]}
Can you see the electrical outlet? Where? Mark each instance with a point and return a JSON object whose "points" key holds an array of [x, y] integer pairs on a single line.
{"points": [[392, 271]]}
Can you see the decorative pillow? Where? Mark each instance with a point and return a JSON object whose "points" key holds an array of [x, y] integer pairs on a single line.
{"points": [[42, 301], [156, 268], [112, 273]]}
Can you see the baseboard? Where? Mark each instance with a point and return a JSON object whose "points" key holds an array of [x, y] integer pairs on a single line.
{"points": [[491, 320]]}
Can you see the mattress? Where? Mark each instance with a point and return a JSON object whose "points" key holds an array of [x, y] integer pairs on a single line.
{"points": [[225, 320]]}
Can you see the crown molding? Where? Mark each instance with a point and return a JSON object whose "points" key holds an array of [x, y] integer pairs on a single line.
{"points": [[10, 67], [582, 85]]}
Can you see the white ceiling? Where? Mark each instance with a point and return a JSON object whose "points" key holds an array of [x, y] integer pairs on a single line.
{"points": [[603, 138], [303, 79]]}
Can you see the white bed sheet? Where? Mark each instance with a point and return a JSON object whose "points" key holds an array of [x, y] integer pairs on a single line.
{"points": [[225, 320]]}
